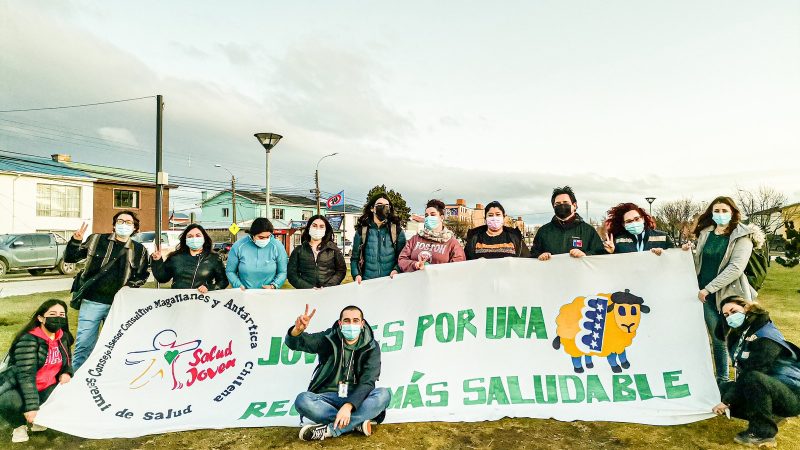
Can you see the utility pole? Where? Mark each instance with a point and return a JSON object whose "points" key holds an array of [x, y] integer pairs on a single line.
{"points": [[233, 203], [316, 190], [160, 175]]}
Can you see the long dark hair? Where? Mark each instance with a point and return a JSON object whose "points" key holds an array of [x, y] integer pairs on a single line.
{"points": [[34, 323], [306, 236], [208, 244], [367, 215], [706, 220], [615, 218]]}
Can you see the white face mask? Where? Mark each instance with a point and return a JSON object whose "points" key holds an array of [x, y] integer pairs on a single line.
{"points": [[261, 243], [317, 234]]}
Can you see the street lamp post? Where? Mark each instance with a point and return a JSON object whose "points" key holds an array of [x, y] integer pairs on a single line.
{"points": [[316, 177], [268, 141], [650, 200], [233, 193]]}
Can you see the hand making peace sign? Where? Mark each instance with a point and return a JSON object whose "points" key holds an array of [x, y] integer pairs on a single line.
{"points": [[302, 321]]}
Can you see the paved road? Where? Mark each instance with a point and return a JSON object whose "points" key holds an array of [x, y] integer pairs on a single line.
{"points": [[32, 285]]}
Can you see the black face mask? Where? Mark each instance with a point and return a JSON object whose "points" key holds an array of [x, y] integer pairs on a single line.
{"points": [[53, 324], [382, 212], [563, 210]]}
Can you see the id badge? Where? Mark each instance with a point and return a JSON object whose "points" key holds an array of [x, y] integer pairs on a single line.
{"points": [[342, 390]]}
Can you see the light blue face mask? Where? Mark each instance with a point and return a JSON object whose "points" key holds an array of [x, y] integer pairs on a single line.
{"points": [[735, 320], [123, 229], [195, 243], [351, 332], [634, 228], [431, 222], [261, 243], [721, 219]]}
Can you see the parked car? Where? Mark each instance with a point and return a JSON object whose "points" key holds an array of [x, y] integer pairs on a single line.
{"points": [[169, 240], [222, 248], [348, 247], [34, 252]]}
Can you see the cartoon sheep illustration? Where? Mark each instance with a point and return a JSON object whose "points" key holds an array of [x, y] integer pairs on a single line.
{"points": [[604, 325]]}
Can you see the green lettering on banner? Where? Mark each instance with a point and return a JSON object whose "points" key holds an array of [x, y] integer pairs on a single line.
{"points": [[679, 391], [563, 384], [293, 411], [550, 381], [497, 392], [275, 409], [450, 322], [413, 397], [622, 390], [274, 353], [495, 329], [287, 359], [516, 321], [480, 391], [423, 323], [643, 386], [536, 323], [465, 323], [254, 409], [594, 390], [397, 397], [396, 334], [515, 393], [443, 395]]}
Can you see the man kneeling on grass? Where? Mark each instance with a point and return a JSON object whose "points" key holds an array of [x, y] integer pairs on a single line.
{"points": [[342, 396]]}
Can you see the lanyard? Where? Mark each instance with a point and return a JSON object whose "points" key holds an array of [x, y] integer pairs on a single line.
{"points": [[737, 352], [640, 242], [350, 365]]}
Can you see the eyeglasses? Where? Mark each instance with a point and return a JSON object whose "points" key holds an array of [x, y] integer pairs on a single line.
{"points": [[123, 222]]}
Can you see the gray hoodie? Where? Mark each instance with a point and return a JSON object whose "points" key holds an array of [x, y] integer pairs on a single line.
{"points": [[731, 279]]}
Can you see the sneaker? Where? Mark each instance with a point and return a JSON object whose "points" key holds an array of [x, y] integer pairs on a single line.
{"points": [[20, 434], [746, 438], [37, 428], [364, 427], [314, 432]]}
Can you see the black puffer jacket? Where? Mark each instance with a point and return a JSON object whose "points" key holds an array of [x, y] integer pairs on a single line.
{"points": [[191, 272], [25, 359], [329, 269]]}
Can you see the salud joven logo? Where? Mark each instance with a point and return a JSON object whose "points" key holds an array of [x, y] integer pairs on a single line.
{"points": [[184, 361]]}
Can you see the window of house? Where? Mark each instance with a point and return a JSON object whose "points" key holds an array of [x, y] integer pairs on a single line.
{"points": [[126, 199], [307, 214], [55, 200], [277, 213], [226, 212]]}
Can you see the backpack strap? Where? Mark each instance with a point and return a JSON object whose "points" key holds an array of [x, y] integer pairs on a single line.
{"points": [[362, 249]]}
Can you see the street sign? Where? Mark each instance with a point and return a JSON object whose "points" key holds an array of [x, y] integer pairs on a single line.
{"points": [[335, 221], [234, 228]]}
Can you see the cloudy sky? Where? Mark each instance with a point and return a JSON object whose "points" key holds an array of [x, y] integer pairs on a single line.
{"points": [[620, 99]]}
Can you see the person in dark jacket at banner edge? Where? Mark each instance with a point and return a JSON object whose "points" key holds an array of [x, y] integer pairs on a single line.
{"points": [[342, 396], [566, 232], [767, 385], [113, 261]]}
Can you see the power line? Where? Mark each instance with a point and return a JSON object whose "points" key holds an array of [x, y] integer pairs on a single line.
{"points": [[77, 106]]}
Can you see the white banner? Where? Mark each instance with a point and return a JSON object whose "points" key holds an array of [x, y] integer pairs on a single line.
{"points": [[468, 341]]}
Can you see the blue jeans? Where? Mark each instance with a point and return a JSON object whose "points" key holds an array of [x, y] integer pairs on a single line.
{"points": [[322, 408], [719, 350], [89, 318]]}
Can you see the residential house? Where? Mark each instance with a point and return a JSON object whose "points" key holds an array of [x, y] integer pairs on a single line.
{"points": [[39, 195], [117, 189]]}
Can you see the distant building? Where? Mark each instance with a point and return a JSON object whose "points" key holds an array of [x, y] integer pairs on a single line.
{"points": [[40, 195], [117, 189]]}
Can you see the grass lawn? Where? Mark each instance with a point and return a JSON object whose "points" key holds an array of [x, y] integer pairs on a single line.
{"points": [[779, 295]]}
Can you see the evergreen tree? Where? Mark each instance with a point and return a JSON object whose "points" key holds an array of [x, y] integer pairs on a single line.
{"points": [[792, 246], [401, 209]]}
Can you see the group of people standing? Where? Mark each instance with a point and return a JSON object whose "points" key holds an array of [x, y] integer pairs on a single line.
{"points": [[762, 392]]}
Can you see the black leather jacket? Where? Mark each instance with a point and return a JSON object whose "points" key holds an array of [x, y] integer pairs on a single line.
{"points": [[191, 272]]}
